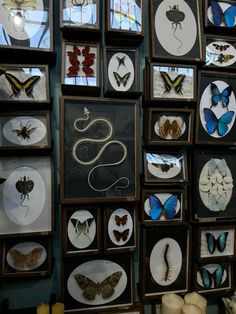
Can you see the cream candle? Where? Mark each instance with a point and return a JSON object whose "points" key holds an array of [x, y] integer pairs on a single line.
{"points": [[171, 304], [196, 299], [58, 308], [43, 309], [191, 309]]}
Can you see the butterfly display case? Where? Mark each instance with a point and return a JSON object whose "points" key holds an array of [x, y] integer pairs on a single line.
{"points": [[214, 185], [80, 68], [120, 228], [215, 243], [169, 126], [161, 166], [165, 261], [170, 82], [216, 108], [24, 83], [27, 257], [163, 206], [101, 165], [26, 195], [98, 283], [176, 30], [81, 230], [121, 72], [25, 130]]}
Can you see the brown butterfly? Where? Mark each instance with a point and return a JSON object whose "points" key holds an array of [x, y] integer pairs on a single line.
{"points": [[82, 227], [121, 220], [174, 128], [105, 288], [164, 167], [221, 47], [22, 261], [121, 235]]}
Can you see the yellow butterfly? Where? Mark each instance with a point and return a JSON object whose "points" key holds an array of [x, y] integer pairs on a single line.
{"points": [[176, 83]]}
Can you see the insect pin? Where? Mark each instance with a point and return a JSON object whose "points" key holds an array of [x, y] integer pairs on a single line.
{"points": [[24, 186], [25, 130]]}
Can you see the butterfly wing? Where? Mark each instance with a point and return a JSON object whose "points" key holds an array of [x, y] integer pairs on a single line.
{"points": [[224, 120], [17, 258], [215, 94], [16, 84], [32, 258], [176, 129], [29, 84], [106, 287], [164, 128], [229, 16], [217, 13], [156, 207], [218, 276], [225, 96], [212, 166], [177, 84], [88, 286], [117, 235], [211, 242], [206, 278], [170, 206], [211, 120], [168, 83], [222, 241]]}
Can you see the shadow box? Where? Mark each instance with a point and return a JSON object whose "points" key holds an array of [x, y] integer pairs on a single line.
{"points": [[216, 109], [80, 68], [26, 25], [170, 82], [214, 194], [80, 18], [26, 195], [213, 278], [176, 30], [98, 283], [215, 243], [99, 150], [169, 126], [121, 72], [25, 130], [165, 261], [27, 257], [163, 206], [220, 16], [220, 52], [24, 83], [135, 309], [120, 228], [81, 229], [161, 166]]}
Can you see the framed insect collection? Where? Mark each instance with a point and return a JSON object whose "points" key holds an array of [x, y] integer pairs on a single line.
{"points": [[107, 174], [163, 206], [26, 24], [24, 83], [80, 68], [27, 257], [176, 30], [170, 82], [97, 283], [168, 271], [26, 191], [121, 72], [120, 228], [81, 231], [169, 126]]}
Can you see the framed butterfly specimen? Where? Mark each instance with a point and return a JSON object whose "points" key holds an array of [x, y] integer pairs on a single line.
{"points": [[220, 52], [165, 260], [27, 257], [214, 195], [121, 72], [169, 127], [176, 30], [97, 283], [167, 82], [26, 195], [24, 83], [124, 21], [215, 243], [103, 162], [216, 108], [120, 228], [163, 206], [27, 130], [165, 166], [80, 68], [81, 230]]}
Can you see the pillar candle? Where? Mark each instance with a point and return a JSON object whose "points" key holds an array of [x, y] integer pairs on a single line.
{"points": [[196, 299], [43, 309], [171, 304], [58, 308], [191, 309]]}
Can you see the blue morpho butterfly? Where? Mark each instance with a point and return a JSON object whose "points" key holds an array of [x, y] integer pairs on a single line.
{"points": [[219, 243], [227, 17], [214, 124], [208, 278], [217, 96], [157, 208]]}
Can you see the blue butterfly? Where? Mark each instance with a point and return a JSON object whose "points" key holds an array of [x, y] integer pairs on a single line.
{"points": [[219, 243], [217, 96], [157, 208], [214, 124], [227, 17], [208, 278]]}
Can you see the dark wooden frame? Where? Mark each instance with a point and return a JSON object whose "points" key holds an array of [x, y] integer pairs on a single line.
{"points": [[136, 308], [66, 243], [100, 102]]}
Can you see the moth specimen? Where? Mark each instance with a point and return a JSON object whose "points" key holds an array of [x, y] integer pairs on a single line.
{"points": [[22, 261]]}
